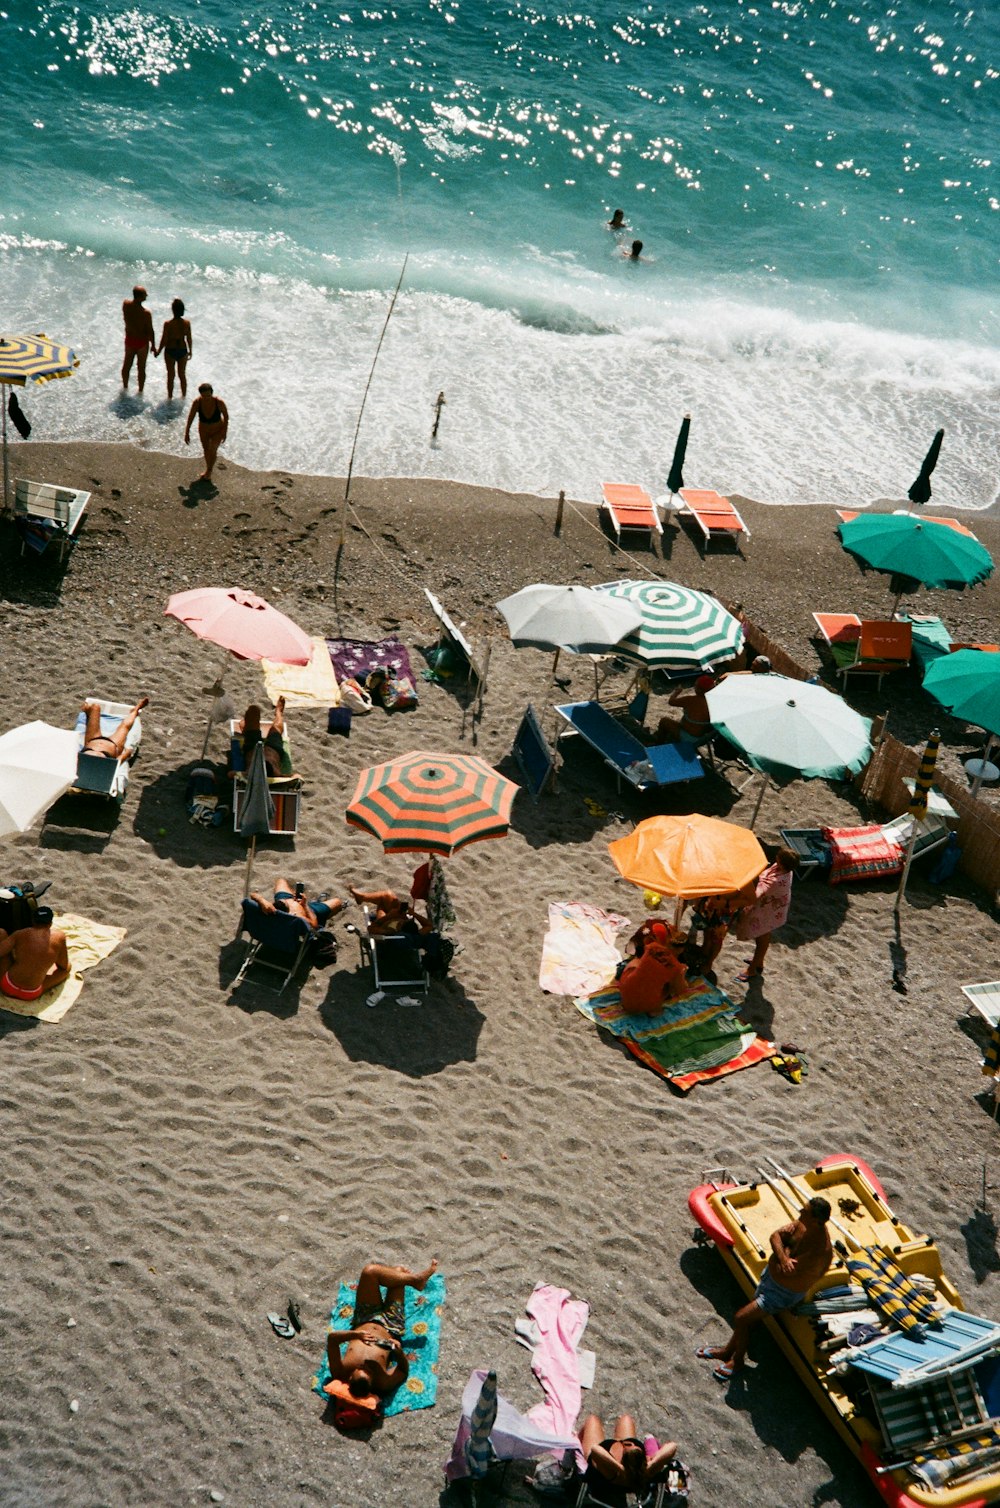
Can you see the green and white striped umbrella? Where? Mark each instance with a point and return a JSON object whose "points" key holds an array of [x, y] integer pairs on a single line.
{"points": [[681, 630]]}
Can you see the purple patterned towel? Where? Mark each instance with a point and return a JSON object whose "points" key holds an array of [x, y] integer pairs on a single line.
{"points": [[355, 657]]}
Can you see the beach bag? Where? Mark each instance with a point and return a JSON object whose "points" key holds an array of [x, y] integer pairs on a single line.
{"points": [[18, 904], [438, 954], [323, 949], [398, 693], [355, 697], [678, 1486], [350, 1412]]}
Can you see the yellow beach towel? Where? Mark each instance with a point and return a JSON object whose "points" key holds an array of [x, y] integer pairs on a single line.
{"points": [[88, 942], [312, 685]]}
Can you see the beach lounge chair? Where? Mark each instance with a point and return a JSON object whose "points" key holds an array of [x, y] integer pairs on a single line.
{"points": [[453, 639], [984, 1000], [846, 514], [714, 515], [858, 647], [286, 788], [534, 754], [277, 941], [863, 853], [396, 958], [629, 506], [644, 766], [96, 774], [47, 515]]}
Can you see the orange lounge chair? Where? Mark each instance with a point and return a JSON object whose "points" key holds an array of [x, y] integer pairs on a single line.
{"points": [[873, 648], [715, 515], [631, 507], [846, 514], [838, 628]]}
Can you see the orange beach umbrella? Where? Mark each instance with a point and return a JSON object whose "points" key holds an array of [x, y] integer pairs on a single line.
{"points": [[432, 803], [689, 856]]}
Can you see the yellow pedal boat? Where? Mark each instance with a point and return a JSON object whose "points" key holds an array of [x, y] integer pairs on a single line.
{"points": [[919, 1407]]}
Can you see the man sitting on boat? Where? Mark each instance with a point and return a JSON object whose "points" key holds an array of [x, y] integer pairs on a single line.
{"points": [[800, 1254]]}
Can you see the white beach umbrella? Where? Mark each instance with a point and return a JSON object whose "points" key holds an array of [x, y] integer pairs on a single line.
{"points": [[568, 617], [37, 764]]}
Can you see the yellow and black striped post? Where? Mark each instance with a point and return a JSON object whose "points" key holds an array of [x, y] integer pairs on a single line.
{"points": [[918, 806]]}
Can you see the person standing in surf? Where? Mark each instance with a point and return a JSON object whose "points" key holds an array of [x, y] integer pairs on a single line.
{"points": [[213, 426], [139, 335], [176, 347]]}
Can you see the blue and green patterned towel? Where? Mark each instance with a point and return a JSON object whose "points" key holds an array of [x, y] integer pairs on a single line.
{"points": [[421, 1342]]}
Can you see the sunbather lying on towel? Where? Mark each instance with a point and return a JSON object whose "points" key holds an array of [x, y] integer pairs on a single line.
{"points": [[391, 913], [294, 899], [250, 733], [373, 1359], [619, 1465], [33, 959], [109, 745]]}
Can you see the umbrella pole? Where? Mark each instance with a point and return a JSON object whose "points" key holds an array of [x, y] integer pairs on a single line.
{"points": [[555, 661], [895, 605], [6, 462], [974, 792], [760, 796], [906, 868]]}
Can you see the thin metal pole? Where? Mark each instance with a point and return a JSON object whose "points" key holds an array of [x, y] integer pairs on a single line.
{"points": [[364, 397], [6, 460], [760, 796]]}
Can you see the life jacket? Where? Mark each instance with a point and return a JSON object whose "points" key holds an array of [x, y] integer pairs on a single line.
{"points": [[350, 1412]]}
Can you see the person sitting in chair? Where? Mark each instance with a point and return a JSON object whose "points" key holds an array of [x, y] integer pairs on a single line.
{"points": [[390, 912], [109, 745], [250, 733], [294, 901], [695, 723], [373, 1360], [36, 958], [620, 1465]]}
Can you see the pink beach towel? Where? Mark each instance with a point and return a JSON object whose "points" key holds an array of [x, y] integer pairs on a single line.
{"points": [[580, 951], [561, 1322]]}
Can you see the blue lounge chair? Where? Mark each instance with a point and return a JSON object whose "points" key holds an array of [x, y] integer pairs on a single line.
{"points": [[643, 767], [278, 941]]}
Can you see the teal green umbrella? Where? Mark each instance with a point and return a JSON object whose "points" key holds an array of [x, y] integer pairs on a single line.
{"points": [[968, 684], [682, 630], [906, 545]]}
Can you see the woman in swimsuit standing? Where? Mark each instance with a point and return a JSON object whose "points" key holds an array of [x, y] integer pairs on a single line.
{"points": [[176, 347], [213, 426]]}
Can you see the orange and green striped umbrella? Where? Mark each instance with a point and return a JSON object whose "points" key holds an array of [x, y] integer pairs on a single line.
{"points": [[432, 803]]}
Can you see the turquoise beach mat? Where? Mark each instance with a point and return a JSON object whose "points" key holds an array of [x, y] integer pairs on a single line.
{"points": [[421, 1342]]}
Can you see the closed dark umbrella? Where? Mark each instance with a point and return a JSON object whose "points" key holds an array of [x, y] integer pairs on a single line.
{"points": [[257, 811], [675, 481], [920, 492]]}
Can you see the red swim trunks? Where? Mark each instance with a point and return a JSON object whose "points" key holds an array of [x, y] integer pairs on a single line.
{"points": [[15, 991], [136, 345]]}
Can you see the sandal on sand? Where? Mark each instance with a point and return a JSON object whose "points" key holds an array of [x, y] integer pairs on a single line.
{"points": [[745, 975], [294, 1317], [708, 1353], [281, 1326], [724, 1372]]}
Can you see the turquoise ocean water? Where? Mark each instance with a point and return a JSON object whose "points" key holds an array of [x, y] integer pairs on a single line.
{"points": [[815, 183]]}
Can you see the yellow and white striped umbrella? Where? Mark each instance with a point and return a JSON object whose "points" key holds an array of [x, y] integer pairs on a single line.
{"points": [[34, 359]]}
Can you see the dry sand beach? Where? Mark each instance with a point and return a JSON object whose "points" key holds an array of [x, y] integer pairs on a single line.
{"points": [[180, 1158]]}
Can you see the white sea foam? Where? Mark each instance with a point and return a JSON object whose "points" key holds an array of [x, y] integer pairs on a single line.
{"points": [[555, 377]]}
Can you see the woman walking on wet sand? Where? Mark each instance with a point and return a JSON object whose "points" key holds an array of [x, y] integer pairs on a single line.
{"points": [[213, 426]]}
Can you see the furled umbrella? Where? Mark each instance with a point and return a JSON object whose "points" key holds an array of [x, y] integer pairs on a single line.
{"points": [[688, 856], [790, 728], [567, 617], [920, 492], [967, 683], [432, 803], [927, 552], [675, 480], [242, 624], [30, 359], [918, 806], [37, 764], [256, 808], [478, 1450], [682, 630]]}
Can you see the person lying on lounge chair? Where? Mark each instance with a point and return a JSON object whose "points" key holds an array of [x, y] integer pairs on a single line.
{"points": [[33, 959], [109, 745], [619, 1465], [250, 733], [390, 912], [294, 899], [373, 1360]]}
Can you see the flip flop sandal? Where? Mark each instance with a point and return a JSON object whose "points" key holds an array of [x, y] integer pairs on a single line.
{"points": [[708, 1353], [724, 1372], [745, 975], [294, 1317], [282, 1326]]}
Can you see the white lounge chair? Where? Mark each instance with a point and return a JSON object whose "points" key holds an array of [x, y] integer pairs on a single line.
{"points": [[98, 774], [46, 514]]}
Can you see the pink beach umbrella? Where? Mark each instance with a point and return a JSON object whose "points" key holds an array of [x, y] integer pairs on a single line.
{"points": [[245, 625]]}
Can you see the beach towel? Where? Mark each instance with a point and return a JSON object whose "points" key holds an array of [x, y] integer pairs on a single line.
{"points": [[561, 1321], [421, 1342], [87, 943], [861, 853], [514, 1437], [312, 685], [579, 951], [353, 658], [694, 1038], [889, 1289]]}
